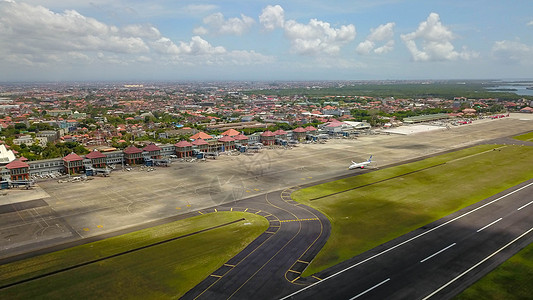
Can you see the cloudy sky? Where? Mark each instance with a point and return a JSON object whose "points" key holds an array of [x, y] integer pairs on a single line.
{"points": [[56, 40]]}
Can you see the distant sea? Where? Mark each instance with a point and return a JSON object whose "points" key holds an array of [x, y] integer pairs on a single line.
{"points": [[519, 89]]}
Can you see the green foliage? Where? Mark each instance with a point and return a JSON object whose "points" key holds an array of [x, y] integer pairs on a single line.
{"points": [[379, 206], [164, 271]]}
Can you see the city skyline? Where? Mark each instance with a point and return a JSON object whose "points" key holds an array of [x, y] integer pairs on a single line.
{"points": [[239, 40]]}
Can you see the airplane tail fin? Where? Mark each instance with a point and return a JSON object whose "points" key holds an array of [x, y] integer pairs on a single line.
{"points": [[370, 159]]}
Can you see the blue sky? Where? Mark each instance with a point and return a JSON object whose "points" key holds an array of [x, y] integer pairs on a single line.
{"points": [[60, 40]]}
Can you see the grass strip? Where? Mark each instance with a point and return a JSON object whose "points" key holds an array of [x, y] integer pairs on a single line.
{"points": [[511, 280], [528, 137], [381, 210], [117, 254], [167, 270]]}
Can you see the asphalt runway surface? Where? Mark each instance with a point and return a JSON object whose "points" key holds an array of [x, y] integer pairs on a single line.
{"points": [[437, 261]]}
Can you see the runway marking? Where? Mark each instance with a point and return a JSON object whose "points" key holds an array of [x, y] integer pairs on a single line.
{"points": [[216, 210], [200, 212], [99, 226], [294, 271], [407, 241], [295, 279], [476, 265], [437, 253], [217, 276], [368, 290], [489, 224], [228, 265], [301, 261], [188, 205], [248, 191], [270, 232], [246, 210], [256, 190], [85, 229], [298, 220], [316, 277], [258, 212], [178, 207], [524, 205]]}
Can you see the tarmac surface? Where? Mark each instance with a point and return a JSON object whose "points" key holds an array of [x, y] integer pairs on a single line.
{"points": [[437, 261], [55, 215]]}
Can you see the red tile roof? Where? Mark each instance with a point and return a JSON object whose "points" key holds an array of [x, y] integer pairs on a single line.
{"points": [[199, 142], [151, 147], [299, 129], [230, 132], [240, 137], [183, 144], [17, 164], [226, 138], [268, 133], [201, 135], [132, 150], [72, 157], [95, 154], [280, 132], [310, 128]]}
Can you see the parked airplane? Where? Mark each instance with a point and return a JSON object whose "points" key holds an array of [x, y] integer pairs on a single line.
{"points": [[361, 165]]}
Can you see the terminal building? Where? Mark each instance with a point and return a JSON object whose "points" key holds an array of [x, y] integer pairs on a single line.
{"points": [[94, 162]]}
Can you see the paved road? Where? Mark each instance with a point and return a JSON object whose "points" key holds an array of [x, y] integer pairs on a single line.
{"points": [[270, 265], [440, 259]]}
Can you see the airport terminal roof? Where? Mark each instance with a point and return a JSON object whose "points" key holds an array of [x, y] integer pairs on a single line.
{"points": [[199, 142], [72, 157], [201, 135], [183, 144], [17, 164], [95, 154], [151, 147], [240, 137], [132, 150], [268, 133], [226, 138], [230, 132]]}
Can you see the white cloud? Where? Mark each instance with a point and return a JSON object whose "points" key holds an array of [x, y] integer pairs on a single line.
{"points": [[200, 30], [317, 37], [435, 40], [272, 17], [512, 52], [196, 9], [36, 36], [379, 34], [530, 23], [219, 25]]}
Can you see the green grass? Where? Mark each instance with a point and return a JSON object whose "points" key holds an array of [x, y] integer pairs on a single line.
{"points": [[163, 271], [528, 137], [511, 280], [381, 210]]}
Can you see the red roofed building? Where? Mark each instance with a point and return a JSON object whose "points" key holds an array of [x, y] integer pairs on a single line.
{"points": [[201, 135], [98, 159], [268, 138], [200, 144], [183, 149], [280, 134], [153, 151], [230, 132], [310, 129], [73, 163], [133, 155], [241, 139], [299, 134], [18, 170], [228, 143]]}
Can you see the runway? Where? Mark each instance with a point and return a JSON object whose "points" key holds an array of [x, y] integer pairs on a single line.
{"points": [[273, 263], [436, 261]]}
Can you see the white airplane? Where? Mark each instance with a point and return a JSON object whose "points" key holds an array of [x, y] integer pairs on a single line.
{"points": [[361, 165]]}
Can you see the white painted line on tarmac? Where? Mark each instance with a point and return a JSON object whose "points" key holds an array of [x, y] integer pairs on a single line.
{"points": [[438, 252], [484, 227], [474, 266], [407, 241], [524, 205], [361, 294]]}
